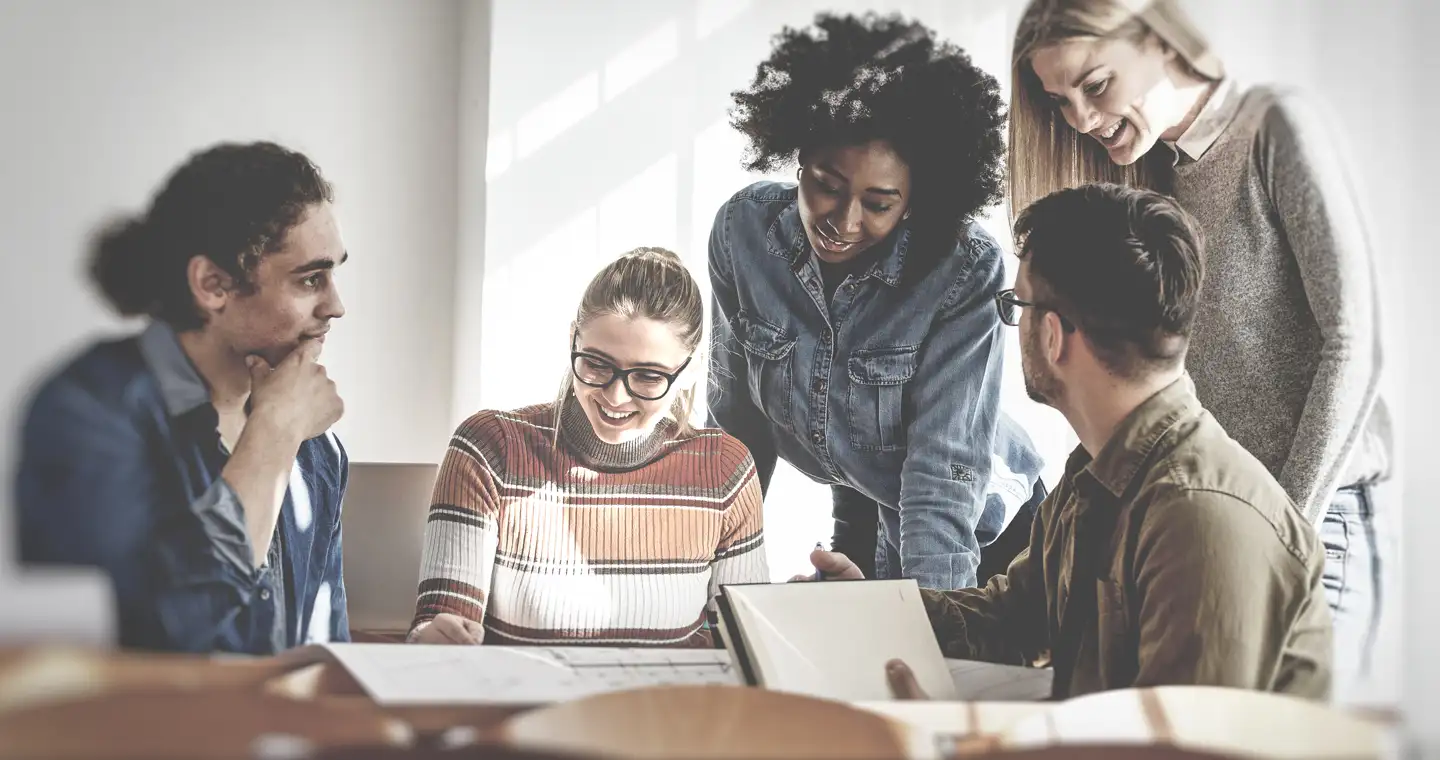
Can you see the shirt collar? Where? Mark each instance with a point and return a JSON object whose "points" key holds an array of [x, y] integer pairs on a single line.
{"points": [[786, 239], [180, 383], [1210, 123], [1132, 442]]}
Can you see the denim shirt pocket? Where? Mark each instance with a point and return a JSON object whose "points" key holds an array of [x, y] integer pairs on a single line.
{"points": [[877, 389], [768, 357]]}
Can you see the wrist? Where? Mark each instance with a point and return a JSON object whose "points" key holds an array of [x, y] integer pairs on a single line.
{"points": [[268, 427]]}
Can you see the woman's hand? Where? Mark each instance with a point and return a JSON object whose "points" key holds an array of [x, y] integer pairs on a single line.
{"points": [[448, 629], [832, 566]]}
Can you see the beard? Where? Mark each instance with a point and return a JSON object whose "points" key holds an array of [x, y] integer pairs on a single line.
{"points": [[1041, 385]]}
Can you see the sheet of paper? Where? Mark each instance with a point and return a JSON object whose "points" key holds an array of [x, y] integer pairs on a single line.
{"points": [[417, 674], [988, 682], [832, 640]]}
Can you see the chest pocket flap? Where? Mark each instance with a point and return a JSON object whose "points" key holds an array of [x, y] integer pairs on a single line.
{"points": [[883, 366], [877, 396], [763, 339]]}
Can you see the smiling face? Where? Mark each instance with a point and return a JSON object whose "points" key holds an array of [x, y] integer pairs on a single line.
{"points": [[608, 340], [1121, 93], [852, 197]]}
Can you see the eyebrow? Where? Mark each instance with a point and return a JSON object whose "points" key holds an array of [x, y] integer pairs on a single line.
{"points": [[828, 169], [318, 265], [1085, 76], [613, 360]]}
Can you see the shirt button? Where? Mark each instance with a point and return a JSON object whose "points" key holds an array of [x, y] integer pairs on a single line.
{"points": [[850, 288], [265, 593], [817, 437], [825, 336], [819, 386]]}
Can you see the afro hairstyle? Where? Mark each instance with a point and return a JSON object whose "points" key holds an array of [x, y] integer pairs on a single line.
{"points": [[849, 80]]}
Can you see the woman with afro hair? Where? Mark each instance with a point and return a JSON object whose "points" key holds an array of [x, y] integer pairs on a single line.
{"points": [[856, 330]]}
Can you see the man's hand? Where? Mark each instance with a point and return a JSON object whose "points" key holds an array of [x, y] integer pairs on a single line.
{"points": [[296, 396], [902, 681], [449, 629], [833, 566]]}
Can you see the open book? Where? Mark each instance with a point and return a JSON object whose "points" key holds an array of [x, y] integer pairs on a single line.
{"points": [[833, 639], [1226, 721], [395, 675]]}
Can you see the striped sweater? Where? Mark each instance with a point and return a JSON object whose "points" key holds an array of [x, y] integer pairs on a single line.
{"points": [[588, 542]]}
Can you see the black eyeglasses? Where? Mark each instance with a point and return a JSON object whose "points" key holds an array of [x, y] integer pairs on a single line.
{"points": [[641, 382], [1009, 306]]}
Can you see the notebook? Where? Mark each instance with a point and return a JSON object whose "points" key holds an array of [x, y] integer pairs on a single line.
{"points": [[832, 639]]}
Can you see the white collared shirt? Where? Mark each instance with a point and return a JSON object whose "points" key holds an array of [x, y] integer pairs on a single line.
{"points": [[1210, 123]]}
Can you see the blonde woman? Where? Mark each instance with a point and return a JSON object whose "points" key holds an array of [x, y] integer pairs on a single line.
{"points": [[602, 517], [1286, 346]]}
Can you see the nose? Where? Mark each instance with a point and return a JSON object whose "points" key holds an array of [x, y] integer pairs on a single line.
{"points": [[1082, 117], [615, 393], [846, 219], [332, 307]]}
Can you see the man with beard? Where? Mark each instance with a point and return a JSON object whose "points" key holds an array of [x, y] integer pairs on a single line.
{"points": [[192, 462], [1167, 554]]}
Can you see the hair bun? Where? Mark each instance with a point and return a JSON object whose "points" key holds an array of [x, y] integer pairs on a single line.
{"points": [[655, 253], [118, 266]]}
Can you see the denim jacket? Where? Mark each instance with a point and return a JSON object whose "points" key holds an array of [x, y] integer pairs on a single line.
{"points": [[120, 470], [892, 389]]}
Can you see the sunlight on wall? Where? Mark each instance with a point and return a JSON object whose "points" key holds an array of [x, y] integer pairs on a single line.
{"points": [[499, 154], [529, 343], [557, 114], [624, 224], [711, 15], [641, 59]]}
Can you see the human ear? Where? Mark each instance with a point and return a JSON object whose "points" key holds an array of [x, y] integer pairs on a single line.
{"points": [[211, 286]]}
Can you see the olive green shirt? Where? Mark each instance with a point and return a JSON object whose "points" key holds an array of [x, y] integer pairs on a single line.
{"points": [[1173, 557]]}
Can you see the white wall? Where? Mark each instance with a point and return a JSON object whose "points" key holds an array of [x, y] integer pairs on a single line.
{"points": [[101, 99]]}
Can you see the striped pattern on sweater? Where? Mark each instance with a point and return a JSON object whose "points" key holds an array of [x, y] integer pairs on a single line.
{"points": [[584, 542]]}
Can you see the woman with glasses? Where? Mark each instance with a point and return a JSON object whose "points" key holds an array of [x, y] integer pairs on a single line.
{"points": [[853, 308], [602, 517], [1286, 346]]}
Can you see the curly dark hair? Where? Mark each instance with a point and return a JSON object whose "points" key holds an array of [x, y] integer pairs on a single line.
{"points": [[232, 203], [849, 80]]}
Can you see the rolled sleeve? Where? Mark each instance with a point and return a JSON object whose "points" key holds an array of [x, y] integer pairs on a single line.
{"points": [[223, 521], [89, 492]]}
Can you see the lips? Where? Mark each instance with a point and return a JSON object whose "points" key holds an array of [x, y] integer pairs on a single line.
{"points": [[1112, 135], [613, 417], [832, 243]]}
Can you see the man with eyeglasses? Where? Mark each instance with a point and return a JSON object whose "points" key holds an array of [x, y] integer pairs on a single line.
{"points": [[1167, 554]]}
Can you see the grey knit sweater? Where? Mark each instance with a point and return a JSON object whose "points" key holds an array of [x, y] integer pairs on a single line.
{"points": [[1285, 351]]}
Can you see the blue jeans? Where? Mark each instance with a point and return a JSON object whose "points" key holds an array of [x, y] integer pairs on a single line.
{"points": [[1352, 578]]}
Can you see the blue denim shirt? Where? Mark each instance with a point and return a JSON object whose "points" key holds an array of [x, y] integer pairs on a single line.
{"points": [[120, 469], [892, 388]]}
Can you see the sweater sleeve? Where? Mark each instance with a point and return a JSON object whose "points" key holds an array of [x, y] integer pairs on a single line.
{"points": [[462, 527], [740, 555], [1322, 222]]}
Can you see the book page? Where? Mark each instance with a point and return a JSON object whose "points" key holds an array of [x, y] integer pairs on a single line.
{"points": [[988, 682], [832, 639], [420, 674]]}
